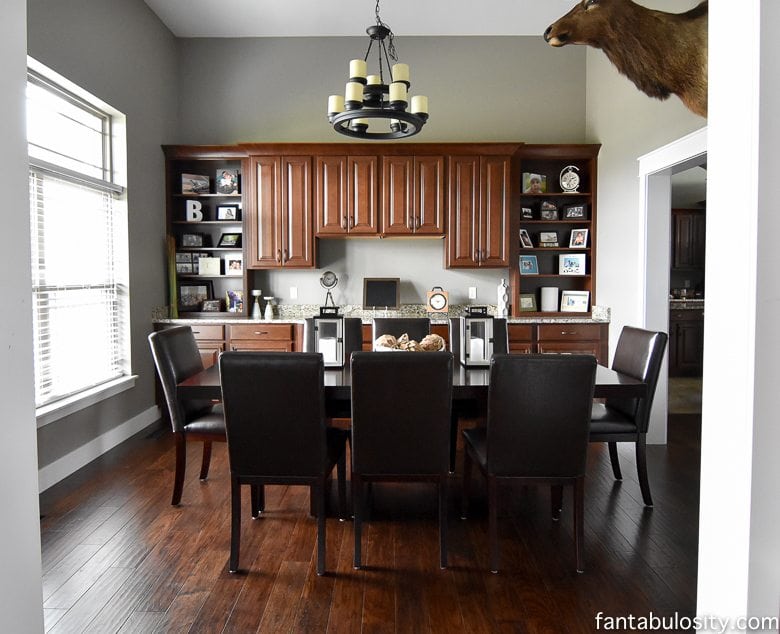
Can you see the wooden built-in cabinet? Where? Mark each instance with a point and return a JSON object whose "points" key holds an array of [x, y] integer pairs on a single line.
{"points": [[479, 198], [262, 336], [561, 337], [345, 199], [686, 342], [413, 195], [211, 342], [688, 238]]}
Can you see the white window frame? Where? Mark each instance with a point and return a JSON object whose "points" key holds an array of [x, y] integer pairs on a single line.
{"points": [[115, 171]]}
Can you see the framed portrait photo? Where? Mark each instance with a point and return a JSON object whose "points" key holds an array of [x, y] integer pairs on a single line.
{"points": [[227, 181], [525, 240], [192, 240], [548, 238], [193, 294], [529, 265], [235, 301], [534, 183], [527, 213], [576, 211], [212, 306], [234, 264], [528, 302], [230, 240], [184, 268], [571, 264], [575, 301], [578, 239], [548, 211], [228, 212], [195, 184]]}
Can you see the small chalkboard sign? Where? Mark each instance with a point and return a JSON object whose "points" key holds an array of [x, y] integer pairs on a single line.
{"points": [[381, 292]]}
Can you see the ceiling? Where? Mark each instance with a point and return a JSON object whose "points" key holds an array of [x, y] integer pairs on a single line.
{"points": [[312, 18]]}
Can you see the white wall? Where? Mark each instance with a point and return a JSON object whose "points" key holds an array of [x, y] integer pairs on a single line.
{"points": [[20, 546]]}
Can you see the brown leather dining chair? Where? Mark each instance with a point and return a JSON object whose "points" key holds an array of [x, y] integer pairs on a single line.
{"points": [[401, 405], [276, 433], [536, 433], [638, 354], [176, 357], [416, 327]]}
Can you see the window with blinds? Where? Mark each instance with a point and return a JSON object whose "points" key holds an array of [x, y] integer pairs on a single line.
{"points": [[78, 232]]}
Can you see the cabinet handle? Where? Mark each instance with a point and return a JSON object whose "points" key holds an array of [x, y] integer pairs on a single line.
{"points": [[279, 255], [260, 332], [417, 223], [568, 332], [285, 256], [344, 222], [351, 222]]}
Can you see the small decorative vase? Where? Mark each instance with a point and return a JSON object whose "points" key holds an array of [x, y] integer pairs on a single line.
{"points": [[502, 307], [257, 312], [269, 307]]}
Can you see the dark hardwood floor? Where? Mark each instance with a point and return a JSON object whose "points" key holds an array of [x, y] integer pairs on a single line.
{"points": [[117, 557]]}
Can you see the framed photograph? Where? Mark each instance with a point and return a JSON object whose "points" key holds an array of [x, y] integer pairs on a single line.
{"points": [[184, 268], [227, 181], [234, 263], [209, 266], [548, 238], [235, 301], [193, 294], [196, 258], [195, 184], [183, 257], [525, 240], [228, 212], [578, 239], [548, 211], [527, 213], [577, 211], [231, 240], [534, 183], [571, 264], [192, 240], [529, 265], [575, 301], [212, 306], [528, 302]]}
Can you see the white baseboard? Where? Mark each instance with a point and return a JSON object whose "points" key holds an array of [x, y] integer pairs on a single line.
{"points": [[61, 468]]}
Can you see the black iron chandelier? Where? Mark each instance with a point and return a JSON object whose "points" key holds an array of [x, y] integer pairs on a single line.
{"points": [[371, 108]]}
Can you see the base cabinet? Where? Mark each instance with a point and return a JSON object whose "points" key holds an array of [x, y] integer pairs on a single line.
{"points": [[686, 342], [561, 338], [268, 337], [211, 342]]}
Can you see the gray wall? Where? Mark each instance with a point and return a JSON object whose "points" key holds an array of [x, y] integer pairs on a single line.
{"points": [[120, 52], [479, 89]]}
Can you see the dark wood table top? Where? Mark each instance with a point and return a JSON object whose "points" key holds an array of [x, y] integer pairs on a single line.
{"points": [[468, 383]]}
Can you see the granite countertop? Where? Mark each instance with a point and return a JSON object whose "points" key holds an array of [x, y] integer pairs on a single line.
{"points": [[686, 304]]}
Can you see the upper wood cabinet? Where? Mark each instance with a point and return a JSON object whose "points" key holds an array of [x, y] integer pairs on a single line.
{"points": [[688, 238], [413, 195], [479, 205], [345, 199], [280, 215]]}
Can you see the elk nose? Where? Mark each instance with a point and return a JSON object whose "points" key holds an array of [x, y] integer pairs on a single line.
{"points": [[547, 33]]}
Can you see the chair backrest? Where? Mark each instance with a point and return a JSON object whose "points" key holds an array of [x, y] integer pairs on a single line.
{"points": [[538, 419], [401, 404], [353, 335], [416, 327], [639, 354], [274, 412], [176, 357]]}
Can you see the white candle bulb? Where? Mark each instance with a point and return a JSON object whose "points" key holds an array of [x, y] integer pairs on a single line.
{"points": [[354, 91], [357, 68], [397, 91], [420, 104], [373, 80], [400, 72], [335, 103]]}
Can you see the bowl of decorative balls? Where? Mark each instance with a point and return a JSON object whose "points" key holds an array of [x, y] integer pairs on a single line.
{"points": [[389, 343]]}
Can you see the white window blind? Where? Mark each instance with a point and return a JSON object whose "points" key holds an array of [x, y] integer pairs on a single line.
{"points": [[77, 233]]}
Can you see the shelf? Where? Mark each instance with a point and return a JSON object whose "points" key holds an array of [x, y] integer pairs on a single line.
{"points": [[554, 249], [556, 195], [210, 249], [192, 223], [587, 275], [190, 276], [557, 313], [237, 196], [567, 221]]}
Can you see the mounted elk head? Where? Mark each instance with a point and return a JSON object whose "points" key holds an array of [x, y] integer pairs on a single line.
{"points": [[662, 53]]}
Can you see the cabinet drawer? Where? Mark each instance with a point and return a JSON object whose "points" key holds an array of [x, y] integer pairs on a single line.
{"points": [[265, 345], [686, 315], [520, 347], [570, 347], [569, 332], [208, 332], [520, 332], [265, 332]]}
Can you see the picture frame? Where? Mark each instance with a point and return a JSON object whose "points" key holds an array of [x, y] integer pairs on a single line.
{"points": [[528, 302], [548, 211], [192, 240], [575, 301], [209, 266], [575, 211], [528, 265], [196, 258], [195, 184], [235, 301], [191, 295], [534, 183], [230, 240], [234, 263], [548, 239], [184, 268], [525, 240], [228, 212], [571, 264], [183, 257], [212, 306], [227, 181], [527, 213], [578, 239]]}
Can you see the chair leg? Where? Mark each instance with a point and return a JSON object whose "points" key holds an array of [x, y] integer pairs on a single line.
{"points": [[641, 467], [613, 458], [464, 500], [235, 523], [319, 491], [579, 522], [492, 485], [181, 463], [556, 501], [341, 474], [257, 495], [443, 521], [357, 512], [206, 461]]}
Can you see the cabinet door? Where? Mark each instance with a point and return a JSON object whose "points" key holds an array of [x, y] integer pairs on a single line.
{"points": [[296, 209], [494, 206], [209, 352], [264, 222], [330, 199], [688, 239], [397, 195], [428, 210], [686, 348], [463, 221], [362, 214]]}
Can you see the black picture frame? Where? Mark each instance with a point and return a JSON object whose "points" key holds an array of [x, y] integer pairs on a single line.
{"points": [[228, 212], [575, 211], [381, 292], [212, 306], [548, 211], [193, 240], [527, 213], [230, 241], [548, 239], [191, 295]]}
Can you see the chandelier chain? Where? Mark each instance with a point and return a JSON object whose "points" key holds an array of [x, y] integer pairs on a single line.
{"points": [[391, 45]]}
